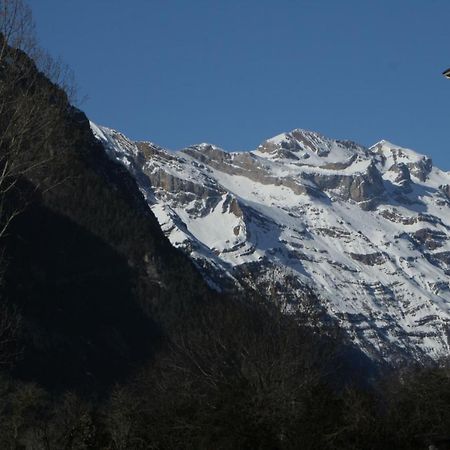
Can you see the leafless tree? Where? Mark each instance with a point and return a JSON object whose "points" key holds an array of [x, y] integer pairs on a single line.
{"points": [[29, 105], [30, 112], [16, 27]]}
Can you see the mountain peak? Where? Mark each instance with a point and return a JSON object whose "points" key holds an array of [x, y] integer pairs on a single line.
{"points": [[367, 228], [394, 156], [318, 150]]}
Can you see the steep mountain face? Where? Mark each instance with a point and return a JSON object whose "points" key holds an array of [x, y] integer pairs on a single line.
{"points": [[367, 228], [85, 268]]}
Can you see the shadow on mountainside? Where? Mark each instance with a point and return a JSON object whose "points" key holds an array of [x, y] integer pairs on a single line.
{"points": [[81, 321]]}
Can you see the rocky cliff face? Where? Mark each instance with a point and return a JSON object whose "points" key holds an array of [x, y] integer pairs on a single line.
{"points": [[367, 228]]}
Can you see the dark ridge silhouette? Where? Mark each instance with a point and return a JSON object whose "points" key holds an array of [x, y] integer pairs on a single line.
{"points": [[82, 323]]}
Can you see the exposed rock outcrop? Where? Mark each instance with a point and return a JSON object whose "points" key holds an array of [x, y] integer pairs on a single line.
{"points": [[368, 229]]}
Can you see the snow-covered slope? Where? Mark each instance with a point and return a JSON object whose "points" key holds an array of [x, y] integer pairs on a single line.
{"points": [[368, 229]]}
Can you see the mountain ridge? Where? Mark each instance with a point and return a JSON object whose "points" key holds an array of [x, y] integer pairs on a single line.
{"points": [[367, 228]]}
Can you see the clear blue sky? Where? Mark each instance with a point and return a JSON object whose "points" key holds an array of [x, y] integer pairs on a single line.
{"points": [[234, 72]]}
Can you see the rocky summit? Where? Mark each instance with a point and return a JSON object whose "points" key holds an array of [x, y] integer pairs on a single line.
{"points": [[368, 229]]}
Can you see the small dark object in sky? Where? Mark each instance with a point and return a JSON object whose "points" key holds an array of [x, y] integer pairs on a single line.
{"points": [[446, 73]]}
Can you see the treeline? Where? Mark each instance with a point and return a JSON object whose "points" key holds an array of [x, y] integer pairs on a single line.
{"points": [[235, 376]]}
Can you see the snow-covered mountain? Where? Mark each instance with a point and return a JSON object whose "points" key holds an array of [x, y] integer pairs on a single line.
{"points": [[367, 228]]}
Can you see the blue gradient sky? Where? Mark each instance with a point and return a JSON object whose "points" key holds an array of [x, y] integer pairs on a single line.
{"points": [[234, 72]]}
